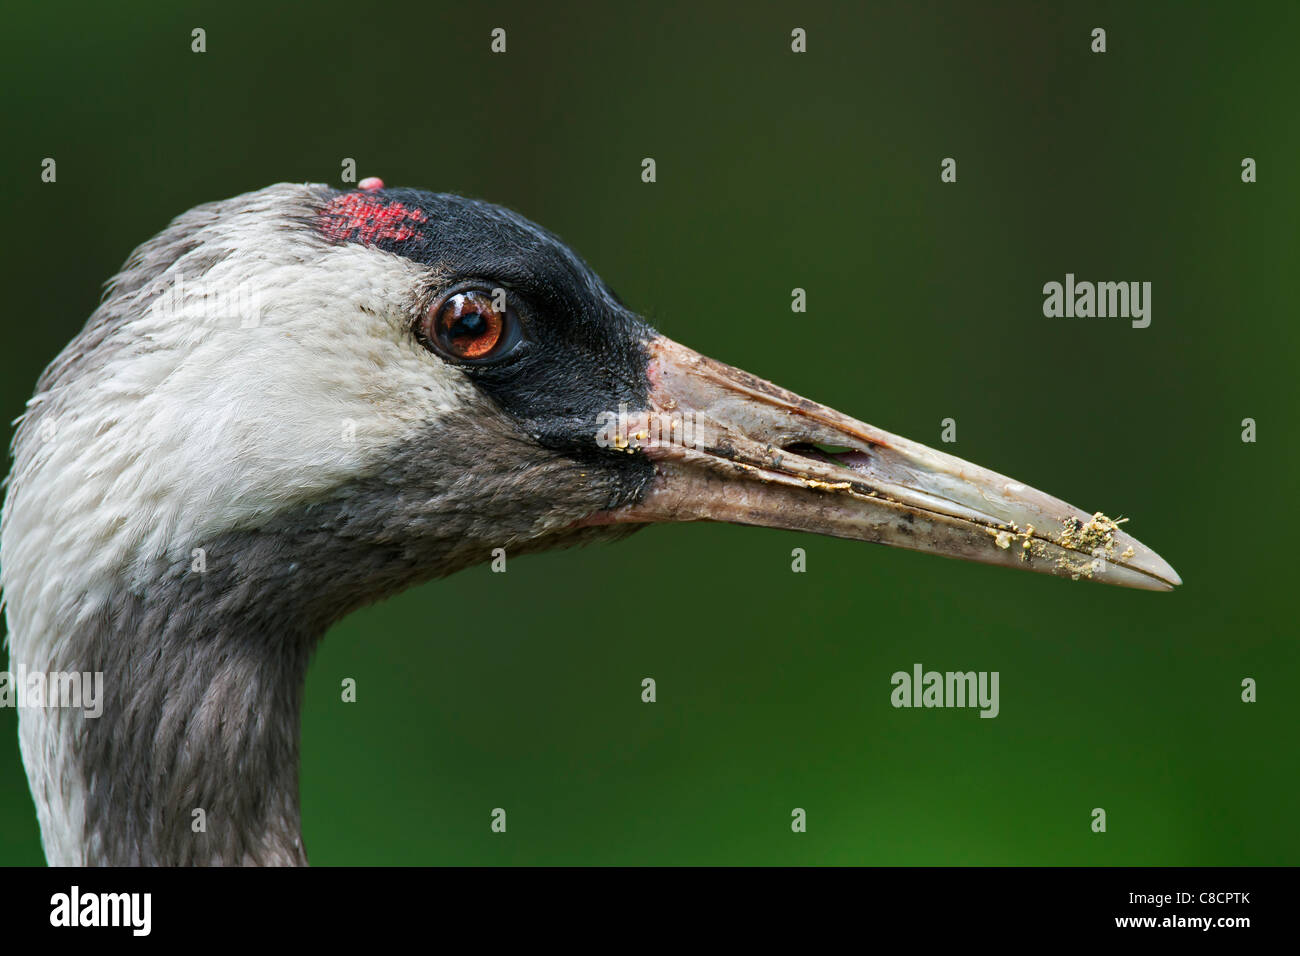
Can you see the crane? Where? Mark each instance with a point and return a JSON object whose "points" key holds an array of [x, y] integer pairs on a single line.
{"points": [[301, 400]]}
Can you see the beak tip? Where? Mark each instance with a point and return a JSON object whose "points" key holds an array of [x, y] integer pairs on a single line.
{"points": [[1157, 574], [1149, 562]]}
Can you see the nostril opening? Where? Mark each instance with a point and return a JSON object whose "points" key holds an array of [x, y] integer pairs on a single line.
{"points": [[813, 449], [839, 455], [830, 454]]}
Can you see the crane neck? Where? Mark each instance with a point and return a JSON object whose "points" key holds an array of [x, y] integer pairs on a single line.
{"points": [[189, 752]]}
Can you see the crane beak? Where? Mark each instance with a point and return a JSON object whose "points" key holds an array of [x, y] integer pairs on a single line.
{"points": [[728, 446]]}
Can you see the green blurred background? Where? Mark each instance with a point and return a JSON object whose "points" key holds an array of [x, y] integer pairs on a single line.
{"points": [[776, 170]]}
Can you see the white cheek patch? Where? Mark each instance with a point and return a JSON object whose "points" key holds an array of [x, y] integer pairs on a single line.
{"points": [[257, 419], [207, 420]]}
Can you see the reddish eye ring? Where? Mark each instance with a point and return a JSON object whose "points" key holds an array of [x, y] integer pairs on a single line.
{"points": [[467, 326]]}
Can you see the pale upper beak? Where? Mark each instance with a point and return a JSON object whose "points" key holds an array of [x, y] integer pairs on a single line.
{"points": [[728, 446]]}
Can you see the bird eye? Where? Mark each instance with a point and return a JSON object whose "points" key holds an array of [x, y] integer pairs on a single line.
{"points": [[467, 326]]}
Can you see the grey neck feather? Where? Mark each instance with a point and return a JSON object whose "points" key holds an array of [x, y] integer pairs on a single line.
{"points": [[203, 688]]}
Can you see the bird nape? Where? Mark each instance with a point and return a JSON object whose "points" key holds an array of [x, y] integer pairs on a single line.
{"points": [[300, 400]]}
